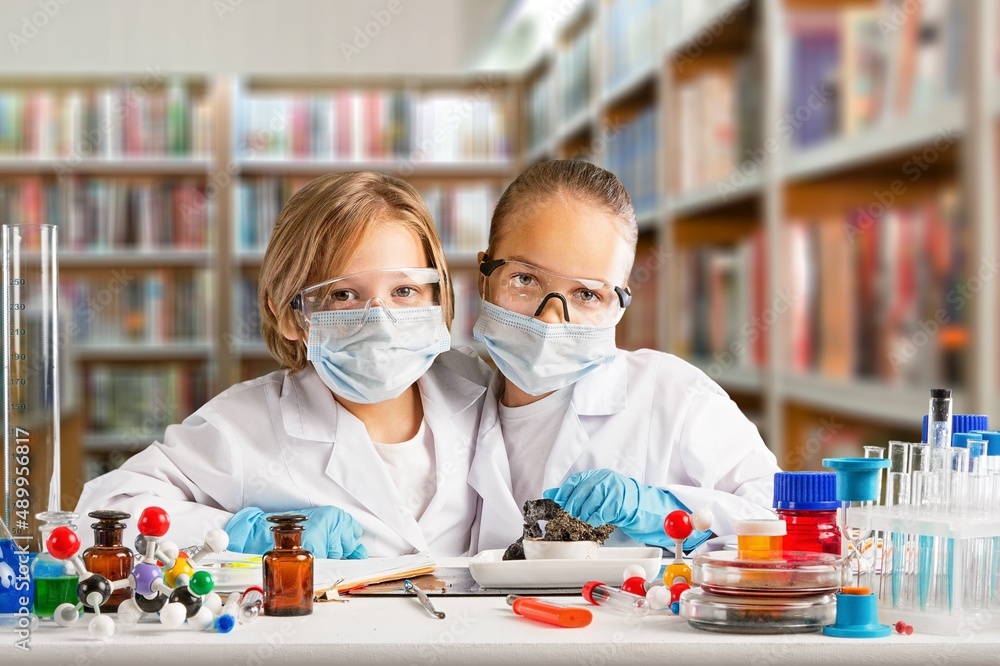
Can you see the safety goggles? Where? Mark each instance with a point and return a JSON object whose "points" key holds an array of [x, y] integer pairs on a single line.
{"points": [[391, 289], [526, 289]]}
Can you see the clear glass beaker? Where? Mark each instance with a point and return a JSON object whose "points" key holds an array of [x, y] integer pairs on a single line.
{"points": [[31, 380]]}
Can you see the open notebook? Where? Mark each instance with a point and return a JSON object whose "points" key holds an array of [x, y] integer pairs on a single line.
{"points": [[237, 571]]}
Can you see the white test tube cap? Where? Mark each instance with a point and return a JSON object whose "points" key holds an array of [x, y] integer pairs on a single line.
{"points": [[769, 527]]}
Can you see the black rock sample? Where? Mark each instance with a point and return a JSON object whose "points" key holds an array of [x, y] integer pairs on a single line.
{"points": [[559, 526]]}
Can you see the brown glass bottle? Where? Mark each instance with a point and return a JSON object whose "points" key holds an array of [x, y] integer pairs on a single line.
{"points": [[108, 556], [288, 569]]}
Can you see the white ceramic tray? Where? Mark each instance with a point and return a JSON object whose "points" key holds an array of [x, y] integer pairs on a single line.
{"points": [[490, 571]]}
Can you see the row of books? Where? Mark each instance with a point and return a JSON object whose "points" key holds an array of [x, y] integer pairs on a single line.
{"points": [[723, 303], [629, 39], [467, 307], [127, 307], [539, 120], [111, 214], [462, 214], [574, 74], [142, 118], [376, 125], [639, 326], [717, 124], [882, 297], [631, 155], [461, 211], [857, 68], [258, 203], [137, 402]]}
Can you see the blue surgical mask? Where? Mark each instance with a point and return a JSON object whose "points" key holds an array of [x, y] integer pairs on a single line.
{"points": [[539, 357], [390, 351]]}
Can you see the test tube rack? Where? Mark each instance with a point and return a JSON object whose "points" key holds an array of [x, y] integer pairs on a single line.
{"points": [[939, 572]]}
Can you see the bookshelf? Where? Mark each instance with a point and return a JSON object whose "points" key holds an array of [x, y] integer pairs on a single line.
{"points": [[625, 84], [811, 178]]}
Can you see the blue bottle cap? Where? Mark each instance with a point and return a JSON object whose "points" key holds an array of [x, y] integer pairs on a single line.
{"points": [[806, 491], [857, 478], [225, 623], [961, 423], [992, 438], [857, 617]]}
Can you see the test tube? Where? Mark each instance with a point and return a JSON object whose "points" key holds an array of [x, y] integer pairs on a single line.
{"points": [[600, 594], [897, 494], [977, 557], [251, 604], [227, 618], [939, 419]]}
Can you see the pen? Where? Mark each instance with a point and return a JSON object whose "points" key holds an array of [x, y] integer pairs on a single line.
{"points": [[424, 601], [560, 616]]}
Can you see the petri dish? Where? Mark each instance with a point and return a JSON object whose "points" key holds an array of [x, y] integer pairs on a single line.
{"points": [[757, 615], [787, 573]]}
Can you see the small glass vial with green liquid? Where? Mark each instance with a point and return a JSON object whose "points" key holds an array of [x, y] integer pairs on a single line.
{"points": [[55, 580], [288, 569]]}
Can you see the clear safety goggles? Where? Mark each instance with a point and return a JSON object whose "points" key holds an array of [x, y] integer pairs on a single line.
{"points": [[526, 289], [390, 289]]}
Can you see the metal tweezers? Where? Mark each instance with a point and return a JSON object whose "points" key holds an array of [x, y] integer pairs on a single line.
{"points": [[424, 601]]}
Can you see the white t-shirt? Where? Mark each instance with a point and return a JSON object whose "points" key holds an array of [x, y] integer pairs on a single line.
{"points": [[529, 433], [411, 466]]}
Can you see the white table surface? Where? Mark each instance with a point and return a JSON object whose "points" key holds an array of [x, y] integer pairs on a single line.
{"points": [[479, 630]]}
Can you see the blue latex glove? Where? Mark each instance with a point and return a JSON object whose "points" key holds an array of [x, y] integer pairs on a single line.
{"points": [[602, 497], [330, 532]]}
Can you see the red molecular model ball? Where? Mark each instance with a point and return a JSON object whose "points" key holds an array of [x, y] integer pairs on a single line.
{"points": [[677, 525], [635, 585], [153, 522], [63, 543], [677, 589], [903, 628]]}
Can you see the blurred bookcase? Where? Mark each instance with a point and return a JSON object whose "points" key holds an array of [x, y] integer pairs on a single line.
{"points": [[773, 251], [165, 191]]}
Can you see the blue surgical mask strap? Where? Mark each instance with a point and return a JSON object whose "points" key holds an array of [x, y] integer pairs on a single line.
{"points": [[545, 300]]}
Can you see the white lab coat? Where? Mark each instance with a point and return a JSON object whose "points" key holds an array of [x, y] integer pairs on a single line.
{"points": [[281, 442], [649, 416]]}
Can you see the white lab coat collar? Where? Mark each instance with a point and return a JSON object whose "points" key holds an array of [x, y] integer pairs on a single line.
{"points": [[310, 412]]}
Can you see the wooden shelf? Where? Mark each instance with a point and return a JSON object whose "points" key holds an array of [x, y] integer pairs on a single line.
{"points": [[159, 166], [708, 198], [891, 404], [878, 143], [308, 167], [632, 85], [690, 34], [141, 351], [584, 120], [130, 258], [742, 379], [124, 442], [252, 350]]}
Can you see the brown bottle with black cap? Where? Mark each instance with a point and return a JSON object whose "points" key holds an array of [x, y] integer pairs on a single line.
{"points": [[108, 556], [288, 569]]}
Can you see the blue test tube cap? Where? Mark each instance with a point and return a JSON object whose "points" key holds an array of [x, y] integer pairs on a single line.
{"points": [[857, 617], [961, 439], [225, 623], [857, 478], [961, 423], [992, 438]]}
